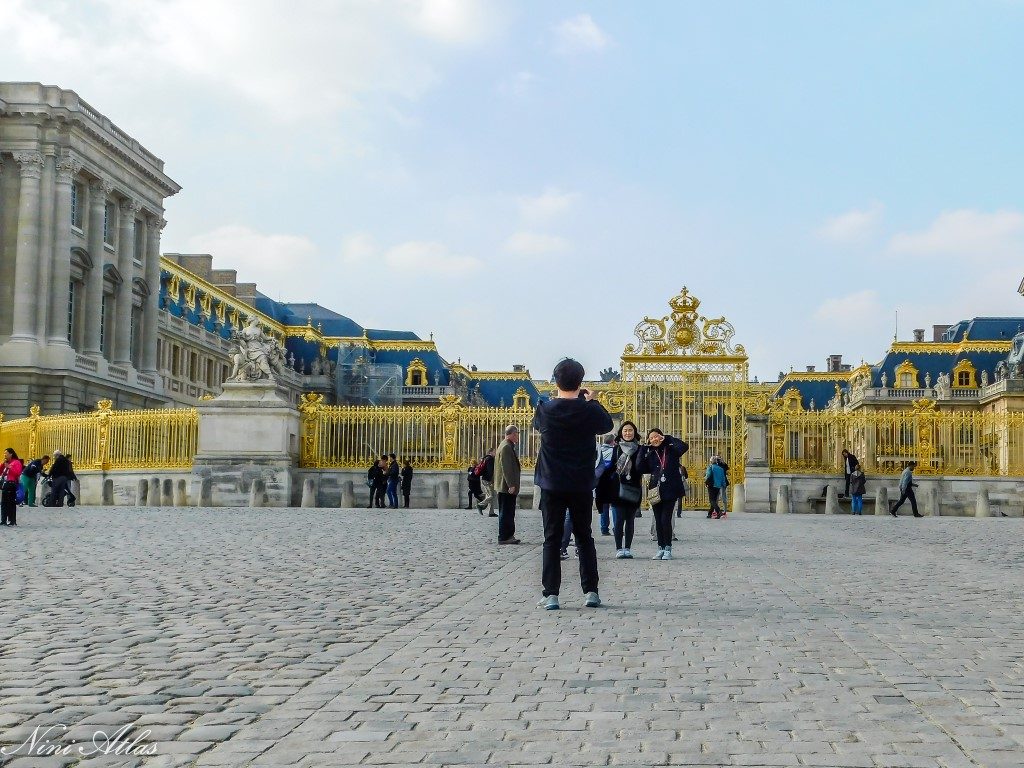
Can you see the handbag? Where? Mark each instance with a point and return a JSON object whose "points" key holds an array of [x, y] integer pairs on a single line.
{"points": [[654, 495], [654, 490], [630, 494]]}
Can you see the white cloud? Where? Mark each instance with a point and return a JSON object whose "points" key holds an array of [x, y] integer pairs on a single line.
{"points": [[853, 225], [280, 265], [519, 84], [965, 233], [862, 308], [419, 257], [535, 244], [580, 34], [549, 204]]}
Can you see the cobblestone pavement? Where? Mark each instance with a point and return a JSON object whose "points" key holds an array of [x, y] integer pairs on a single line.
{"points": [[334, 638]]}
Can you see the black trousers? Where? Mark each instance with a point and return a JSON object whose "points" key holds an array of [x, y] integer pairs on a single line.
{"points": [[846, 489], [373, 494], [9, 504], [60, 489], [553, 508], [907, 494], [506, 516], [713, 494], [378, 495], [663, 511], [406, 492], [622, 524]]}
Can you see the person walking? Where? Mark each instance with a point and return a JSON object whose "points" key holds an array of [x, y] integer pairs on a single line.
{"points": [[858, 482], [714, 479], [849, 462], [568, 424], [473, 483], [380, 482], [10, 478], [30, 478], [507, 479], [394, 477], [606, 487], [723, 494], [406, 482], [628, 477], [660, 459], [371, 481], [907, 486], [61, 475], [487, 483]]}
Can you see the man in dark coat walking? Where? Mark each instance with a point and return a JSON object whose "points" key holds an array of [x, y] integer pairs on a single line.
{"points": [[849, 462]]}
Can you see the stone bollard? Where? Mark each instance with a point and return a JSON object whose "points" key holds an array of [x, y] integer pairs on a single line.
{"points": [[308, 493], [167, 498], [154, 492], [256, 494], [142, 493], [443, 494], [180, 494], [782, 502], [882, 501], [831, 500], [982, 508], [108, 492], [931, 502], [206, 492], [348, 495], [739, 499]]}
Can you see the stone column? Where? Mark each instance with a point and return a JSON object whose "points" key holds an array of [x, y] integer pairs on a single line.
{"points": [[123, 300], [44, 265], [93, 299], [149, 312], [27, 253], [57, 326]]}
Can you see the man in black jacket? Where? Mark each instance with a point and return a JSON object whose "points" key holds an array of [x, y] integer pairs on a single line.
{"points": [[61, 474], [849, 462], [568, 425]]}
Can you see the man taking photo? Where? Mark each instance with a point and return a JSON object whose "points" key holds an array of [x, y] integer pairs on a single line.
{"points": [[568, 425]]}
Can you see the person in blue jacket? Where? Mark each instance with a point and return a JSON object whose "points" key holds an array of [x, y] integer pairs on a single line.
{"points": [[714, 479]]}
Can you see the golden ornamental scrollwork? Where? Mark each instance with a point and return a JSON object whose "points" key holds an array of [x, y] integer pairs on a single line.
{"points": [[450, 408], [310, 403], [613, 397], [683, 332]]}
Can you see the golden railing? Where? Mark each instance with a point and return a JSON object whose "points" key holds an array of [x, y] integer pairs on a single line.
{"points": [[108, 439], [446, 436], [942, 443]]}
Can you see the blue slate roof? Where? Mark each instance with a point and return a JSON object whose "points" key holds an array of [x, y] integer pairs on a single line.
{"points": [[495, 391], [934, 363], [818, 390], [985, 329]]}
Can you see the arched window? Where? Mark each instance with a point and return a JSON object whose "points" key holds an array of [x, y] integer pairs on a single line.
{"points": [[521, 399], [964, 375], [906, 376], [416, 373]]}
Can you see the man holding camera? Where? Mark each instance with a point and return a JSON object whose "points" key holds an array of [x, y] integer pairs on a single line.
{"points": [[568, 425]]}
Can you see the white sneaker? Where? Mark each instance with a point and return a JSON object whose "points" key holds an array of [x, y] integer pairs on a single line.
{"points": [[628, 554], [620, 554], [667, 554], [593, 600], [549, 603], [658, 556]]}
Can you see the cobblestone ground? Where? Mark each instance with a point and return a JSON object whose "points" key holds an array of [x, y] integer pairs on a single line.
{"points": [[334, 638]]}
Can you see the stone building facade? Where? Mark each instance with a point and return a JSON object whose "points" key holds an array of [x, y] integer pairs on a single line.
{"points": [[81, 210]]}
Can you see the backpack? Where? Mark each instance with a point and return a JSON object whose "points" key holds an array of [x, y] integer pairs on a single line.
{"points": [[479, 468]]}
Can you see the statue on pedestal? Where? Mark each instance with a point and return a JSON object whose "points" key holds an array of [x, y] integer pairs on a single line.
{"points": [[943, 387], [258, 357]]}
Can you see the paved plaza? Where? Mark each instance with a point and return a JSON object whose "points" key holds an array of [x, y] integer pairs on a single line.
{"points": [[335, 638]]}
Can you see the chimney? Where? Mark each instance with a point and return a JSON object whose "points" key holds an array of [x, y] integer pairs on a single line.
{"points": [[919, 334], [834, 363], [939, 331], [810, 369], [518, 367]]}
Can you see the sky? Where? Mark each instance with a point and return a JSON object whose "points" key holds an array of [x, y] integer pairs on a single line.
{"points": [[529, 180]]}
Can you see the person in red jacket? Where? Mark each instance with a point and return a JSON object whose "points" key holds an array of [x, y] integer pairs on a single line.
{"points": [[10, 477]]}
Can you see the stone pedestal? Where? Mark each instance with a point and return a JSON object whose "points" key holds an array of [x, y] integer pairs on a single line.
{"points": [[757, 476], [248, 435]]}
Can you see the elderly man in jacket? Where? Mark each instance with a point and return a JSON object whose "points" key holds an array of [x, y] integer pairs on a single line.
{"points": [[507, 476]]}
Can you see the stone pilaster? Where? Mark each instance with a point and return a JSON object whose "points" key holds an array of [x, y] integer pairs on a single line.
{"points": [[44, 266], [27, 252], [123, 299], [57, 288], [149, 312], [93, 298]]}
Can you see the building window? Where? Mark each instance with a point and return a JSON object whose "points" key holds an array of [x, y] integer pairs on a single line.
{"points": [[906, 381], [175, 359], [77, 198], [963, 379], [140, 242], [71, 311], [193, 367], [103, 325], [108, 223]]}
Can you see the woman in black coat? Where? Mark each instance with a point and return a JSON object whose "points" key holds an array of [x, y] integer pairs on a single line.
{"points": [[628, 490], [406, 482], [660, 459]]}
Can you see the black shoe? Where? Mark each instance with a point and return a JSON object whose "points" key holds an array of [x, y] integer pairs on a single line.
{"points": [[638, 514], [892, 511], [917, 514], [492, 514], [709, 514], [606, 533]]}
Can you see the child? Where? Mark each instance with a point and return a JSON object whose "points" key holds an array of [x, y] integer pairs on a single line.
{"points": [[857, 483]]}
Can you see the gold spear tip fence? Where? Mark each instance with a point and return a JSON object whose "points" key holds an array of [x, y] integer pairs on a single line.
{"points": [[106, 439]]}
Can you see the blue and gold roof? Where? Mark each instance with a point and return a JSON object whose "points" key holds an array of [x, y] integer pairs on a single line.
{"points": [[817, 387]]}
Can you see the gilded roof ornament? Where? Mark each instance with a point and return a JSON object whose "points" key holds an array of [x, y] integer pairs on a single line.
{"points": [[684, 332]]}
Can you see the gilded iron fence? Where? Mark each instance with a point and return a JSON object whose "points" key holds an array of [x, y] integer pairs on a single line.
{"points": [[108, 439], [941, 442], [446, 436]]}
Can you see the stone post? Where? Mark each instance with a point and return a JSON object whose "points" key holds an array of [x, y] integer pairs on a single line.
{"points": [[739, 502], [348, 495], [57, 325], [882, 501], [180, 494], [757, 473], [982, 508], [443, 495], [93, 299], [149, 312], [931, 501], [831, 500], [308, 493], [782, 501], [123, 299], [26, 257]]}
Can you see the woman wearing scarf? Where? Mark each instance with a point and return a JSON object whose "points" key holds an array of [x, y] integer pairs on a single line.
{"points": [[660, 459], [10, 478], [627, 491]]}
